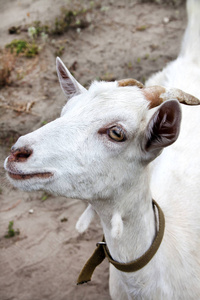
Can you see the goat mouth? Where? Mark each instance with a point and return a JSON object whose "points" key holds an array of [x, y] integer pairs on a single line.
{"points": [[29, 176]]}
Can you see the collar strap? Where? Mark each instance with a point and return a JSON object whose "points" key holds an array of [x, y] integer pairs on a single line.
{"points": [[102, 251]]}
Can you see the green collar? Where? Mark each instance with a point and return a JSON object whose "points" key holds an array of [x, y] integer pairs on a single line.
{"points": [[102, 251]]}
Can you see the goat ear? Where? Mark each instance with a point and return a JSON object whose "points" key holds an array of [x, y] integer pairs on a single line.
{"points": [[163, 128], [68, 83]]}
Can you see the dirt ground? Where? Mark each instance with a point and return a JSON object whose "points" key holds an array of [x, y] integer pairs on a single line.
{"points": [[120, 39]]}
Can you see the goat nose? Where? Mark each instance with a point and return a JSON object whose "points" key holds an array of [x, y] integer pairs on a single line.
{"points": [[20, 154]]}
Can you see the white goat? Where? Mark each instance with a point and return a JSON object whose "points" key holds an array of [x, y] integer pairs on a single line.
{"points": [[106, 149]]}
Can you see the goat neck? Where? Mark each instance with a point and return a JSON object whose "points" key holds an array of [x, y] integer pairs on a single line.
{"points": [[135, 209]]}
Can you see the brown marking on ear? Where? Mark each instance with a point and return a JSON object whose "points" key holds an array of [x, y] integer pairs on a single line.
{"points": [[152, 94], [130, 82]]}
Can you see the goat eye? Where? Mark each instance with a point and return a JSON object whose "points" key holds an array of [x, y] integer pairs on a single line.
{"points": [[117, 134]]}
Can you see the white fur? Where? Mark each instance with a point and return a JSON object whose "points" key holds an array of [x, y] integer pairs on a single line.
{"points": [[116, 226], [85, 219], [118, 180]]}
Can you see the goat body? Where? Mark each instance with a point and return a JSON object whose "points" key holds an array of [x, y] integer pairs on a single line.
{"points": [[109, 149]]}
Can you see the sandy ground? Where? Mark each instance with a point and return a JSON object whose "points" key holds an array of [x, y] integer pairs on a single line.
{"points": [[122, 39]]}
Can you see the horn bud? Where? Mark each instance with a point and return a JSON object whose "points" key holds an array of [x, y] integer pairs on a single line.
{"points": [[158, 94], [130, 82]]}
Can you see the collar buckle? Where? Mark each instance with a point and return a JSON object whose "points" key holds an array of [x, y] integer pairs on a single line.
{"points": [[100, 243]]}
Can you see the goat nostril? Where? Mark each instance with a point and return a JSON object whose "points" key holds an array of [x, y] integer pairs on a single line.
{"points": [[21, 154]]}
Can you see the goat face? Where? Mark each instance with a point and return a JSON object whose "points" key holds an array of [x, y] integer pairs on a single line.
{"points": [[98, 147]]}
